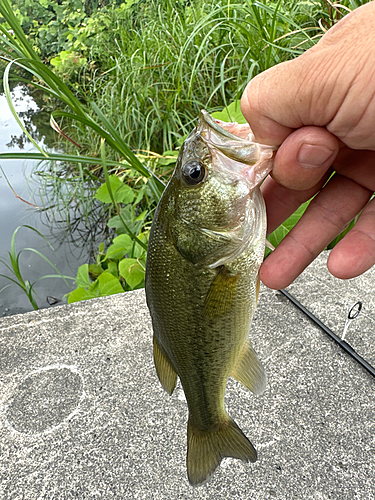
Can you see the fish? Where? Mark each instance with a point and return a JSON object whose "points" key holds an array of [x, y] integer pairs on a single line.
{"points": [[205, 248]]}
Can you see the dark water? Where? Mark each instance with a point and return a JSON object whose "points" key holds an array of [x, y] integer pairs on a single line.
{"points": [[72, 247]]}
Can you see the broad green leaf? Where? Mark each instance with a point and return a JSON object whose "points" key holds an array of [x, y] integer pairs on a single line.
{"points": [[121, 245], [95, 269], [124, 240], [80, 294], [132, 272], [124, 194], [102, 193], [115, 252], [279, 234], [109, 285], [94, 288], [113, 269], [116, 223], [121, 192], [138, 252], [83, 278], [232, 113]]}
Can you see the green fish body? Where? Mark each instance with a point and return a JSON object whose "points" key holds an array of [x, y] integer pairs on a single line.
{"points": [[206, 245]]}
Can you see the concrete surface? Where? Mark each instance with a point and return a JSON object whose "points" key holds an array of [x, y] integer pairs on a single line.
{"points": [[82, 414]]}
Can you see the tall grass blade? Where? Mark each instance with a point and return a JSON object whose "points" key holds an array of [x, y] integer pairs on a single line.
{"points": [[107, 181], [59, 274]]}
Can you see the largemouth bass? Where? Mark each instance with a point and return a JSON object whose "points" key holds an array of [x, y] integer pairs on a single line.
{"points": [[206, 245]]}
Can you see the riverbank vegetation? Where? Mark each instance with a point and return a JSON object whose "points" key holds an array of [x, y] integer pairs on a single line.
{"points": [[124, 82], [150, 66]]}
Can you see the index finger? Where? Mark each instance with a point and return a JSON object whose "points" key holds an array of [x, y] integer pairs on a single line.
{"points": [[254, 106], [282, 202]]}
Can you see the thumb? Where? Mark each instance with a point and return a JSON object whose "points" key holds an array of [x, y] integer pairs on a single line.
{"points": [[304, 157]]}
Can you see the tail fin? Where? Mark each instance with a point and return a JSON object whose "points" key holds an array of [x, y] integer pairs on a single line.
{"points": [[206, 449]]}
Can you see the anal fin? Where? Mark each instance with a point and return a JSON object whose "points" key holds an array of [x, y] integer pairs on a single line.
{"points": [[249, 370], [164, 368]]}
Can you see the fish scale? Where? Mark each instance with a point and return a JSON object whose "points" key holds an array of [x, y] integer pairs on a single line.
{"points": [[206, 245]]}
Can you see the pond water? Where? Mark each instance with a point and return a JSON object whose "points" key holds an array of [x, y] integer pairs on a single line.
{"points": [[71, 247]]}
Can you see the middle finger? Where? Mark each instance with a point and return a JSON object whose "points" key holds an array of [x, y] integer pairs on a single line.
{"points": [[327, 215]]}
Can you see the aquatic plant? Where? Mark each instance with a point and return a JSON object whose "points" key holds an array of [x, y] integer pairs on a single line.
{"points": [[14, 267], [122, 267]]}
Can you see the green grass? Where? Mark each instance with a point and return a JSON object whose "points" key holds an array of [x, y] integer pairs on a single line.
{"points": [[17, 50], [158, 63], [167, 62]]}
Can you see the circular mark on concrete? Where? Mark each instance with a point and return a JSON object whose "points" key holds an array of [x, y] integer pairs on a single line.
{"points": [[44, 399]]}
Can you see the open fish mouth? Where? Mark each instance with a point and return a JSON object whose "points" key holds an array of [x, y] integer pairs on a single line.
{"points": [[234, 156]]}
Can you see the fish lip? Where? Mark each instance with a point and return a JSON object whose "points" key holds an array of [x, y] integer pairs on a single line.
{"points": [[250, 139], [213, 124]]}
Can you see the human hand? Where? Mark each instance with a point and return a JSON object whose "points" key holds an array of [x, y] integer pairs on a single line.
{"points": [[320, 109]]}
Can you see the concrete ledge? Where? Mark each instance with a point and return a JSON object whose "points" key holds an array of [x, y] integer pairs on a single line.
{"points": [[82, 414]]}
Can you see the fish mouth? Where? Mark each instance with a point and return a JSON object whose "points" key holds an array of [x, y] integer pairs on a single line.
{"points": [[234, 156]]}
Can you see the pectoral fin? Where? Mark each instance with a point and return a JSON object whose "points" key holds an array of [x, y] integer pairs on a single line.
{"points": [[164, 368], [221, 293], [249, 370]]}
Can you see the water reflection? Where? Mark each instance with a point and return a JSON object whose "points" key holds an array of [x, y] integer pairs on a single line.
{"points": [[30, 107], [74, 230]]}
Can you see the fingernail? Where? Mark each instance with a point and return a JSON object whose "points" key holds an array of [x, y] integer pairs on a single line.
{"points": [[313, 155]]}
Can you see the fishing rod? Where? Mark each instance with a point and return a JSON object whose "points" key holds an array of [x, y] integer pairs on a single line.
{"points": [[353, 313]]}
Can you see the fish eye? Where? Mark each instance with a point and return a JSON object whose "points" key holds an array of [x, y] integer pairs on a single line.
{"points": [[194, 172]]}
